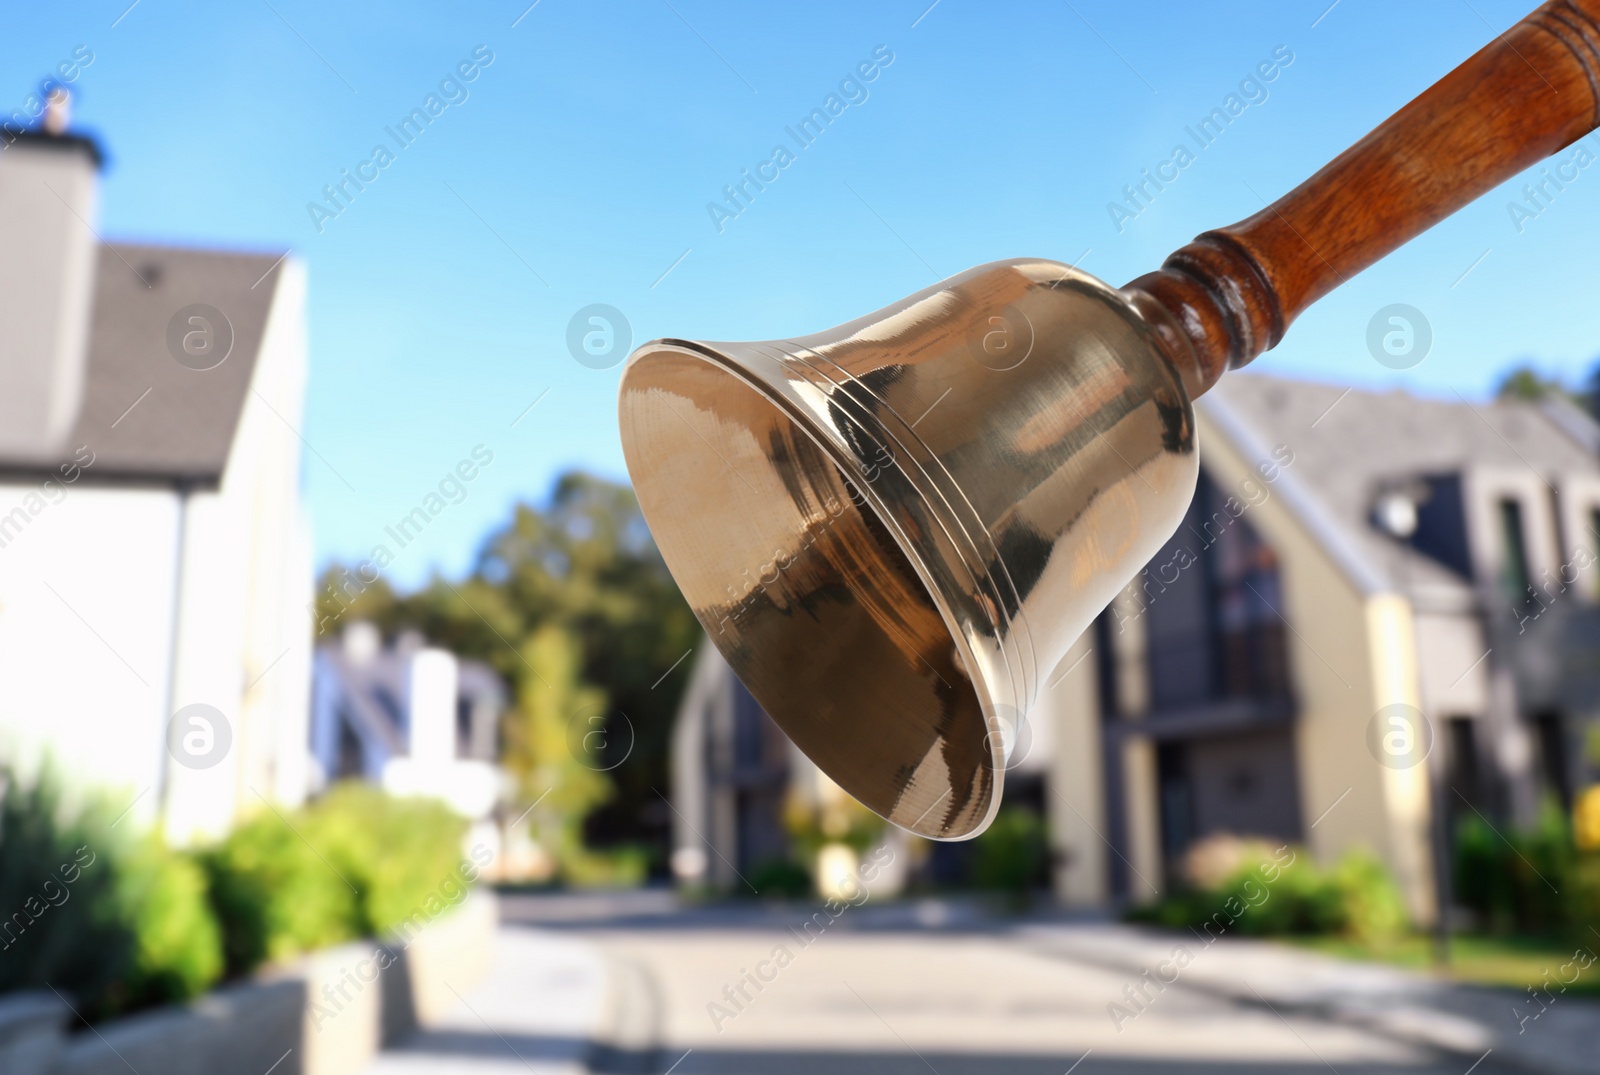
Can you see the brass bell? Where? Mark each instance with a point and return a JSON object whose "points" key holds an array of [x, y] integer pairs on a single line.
{"points": [[893, 530]]}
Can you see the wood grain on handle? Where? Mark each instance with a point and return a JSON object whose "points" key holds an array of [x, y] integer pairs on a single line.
{"points": [[1223, 299]]}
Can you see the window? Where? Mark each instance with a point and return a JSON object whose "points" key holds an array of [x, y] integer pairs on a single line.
{"points": [[1213, 600], [1515, 579], [1252, 655]]}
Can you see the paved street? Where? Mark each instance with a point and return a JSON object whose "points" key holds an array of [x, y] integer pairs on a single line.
{"points": [[538, 1010], [632, 984]]}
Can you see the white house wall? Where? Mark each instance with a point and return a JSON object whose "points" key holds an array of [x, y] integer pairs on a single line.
{"points": [[278, 643], [244, 635], [290, 694], [1452, 686], [1075, 803], [208, 669], [85, 631], [1580, 499]]}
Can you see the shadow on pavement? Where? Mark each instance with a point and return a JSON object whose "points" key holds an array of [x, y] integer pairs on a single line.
{"points": [[662, 910], [715, 1062], [711, 1061], [487, 1044]]}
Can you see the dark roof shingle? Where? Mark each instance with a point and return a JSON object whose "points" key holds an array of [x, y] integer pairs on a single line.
{"points": [[182, 423]]}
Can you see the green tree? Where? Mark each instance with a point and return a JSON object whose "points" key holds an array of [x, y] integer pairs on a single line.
{"points": [[585, 563], [588, 562], [1528, 385], [552, 747], [545, 744]]}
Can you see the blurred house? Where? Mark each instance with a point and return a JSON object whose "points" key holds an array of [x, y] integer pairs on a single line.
{"points": [[411, 717], [734, 772], [1346, 552], [154, 553]]}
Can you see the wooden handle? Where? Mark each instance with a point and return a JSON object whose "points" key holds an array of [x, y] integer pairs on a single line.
{"points": [[1223, 299]]}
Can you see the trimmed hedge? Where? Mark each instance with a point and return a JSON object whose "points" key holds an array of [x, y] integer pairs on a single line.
{"points": [[274, 895], [400, 854], [356, 863], [119, 923], [177, 943]]}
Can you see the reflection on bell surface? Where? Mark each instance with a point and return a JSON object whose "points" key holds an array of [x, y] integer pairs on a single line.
{"points": [[893, 530]]}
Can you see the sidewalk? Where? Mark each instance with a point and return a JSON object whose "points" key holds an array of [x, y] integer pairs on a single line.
{"points": [[1465, 1019], [543, 1004]]}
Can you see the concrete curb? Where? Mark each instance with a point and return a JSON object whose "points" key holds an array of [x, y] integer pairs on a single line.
{"points": [[628, 1038], [328, 1013]]}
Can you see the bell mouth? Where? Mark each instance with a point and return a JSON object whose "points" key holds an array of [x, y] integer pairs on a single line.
{"points": [[777, 536]]}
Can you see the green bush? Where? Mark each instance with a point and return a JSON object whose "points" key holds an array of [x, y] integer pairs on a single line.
{"points": [[1372, 908], [1531, 881], [1269, 894], [401, 855], [779, 877], [177, 942], [1013, 853], [58, 897], [275, 895], [116, 926], [120, 923], [1583, 896], [1300, 900], [356, 863]]}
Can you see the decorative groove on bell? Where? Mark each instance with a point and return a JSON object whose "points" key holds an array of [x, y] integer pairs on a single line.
{"points": [[893, 529], [986, 588]]}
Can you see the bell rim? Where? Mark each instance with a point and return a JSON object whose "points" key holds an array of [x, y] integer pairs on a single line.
{"points": [[796, 415]]}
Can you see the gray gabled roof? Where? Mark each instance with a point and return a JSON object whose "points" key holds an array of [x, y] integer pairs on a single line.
{"points": [[182, 422], [1347, 442]]}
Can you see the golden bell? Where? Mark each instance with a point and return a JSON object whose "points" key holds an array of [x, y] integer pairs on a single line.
{"points": [[893, 530]]}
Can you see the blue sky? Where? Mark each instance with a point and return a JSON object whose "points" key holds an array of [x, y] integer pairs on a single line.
{"points": [[579, 167]]}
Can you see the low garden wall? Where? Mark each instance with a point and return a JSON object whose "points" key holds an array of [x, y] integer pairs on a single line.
{"points": [[326, 1013]]}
